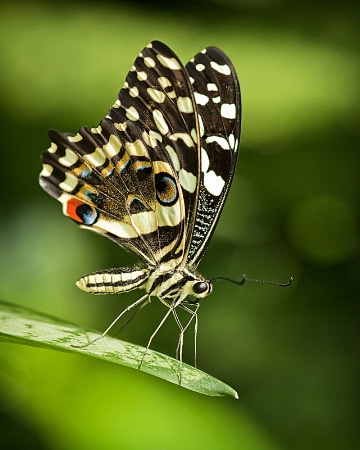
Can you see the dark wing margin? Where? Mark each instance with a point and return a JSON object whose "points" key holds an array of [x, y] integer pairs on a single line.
{"points": [[218, 102]]}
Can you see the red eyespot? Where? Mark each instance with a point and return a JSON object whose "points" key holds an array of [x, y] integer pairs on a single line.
{"points": [[81, 212], [71, 206]]}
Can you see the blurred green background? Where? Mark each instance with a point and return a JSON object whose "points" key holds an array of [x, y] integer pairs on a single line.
{"points": [[292, 354]]}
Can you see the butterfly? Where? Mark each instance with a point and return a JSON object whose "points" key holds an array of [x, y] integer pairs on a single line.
{"points": [[153, 176]]}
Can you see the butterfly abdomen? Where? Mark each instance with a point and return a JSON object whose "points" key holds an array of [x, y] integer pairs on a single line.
{"points": [[114, 281]]}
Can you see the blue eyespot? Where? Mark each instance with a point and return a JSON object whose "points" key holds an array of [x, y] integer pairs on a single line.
{"points": [[124, 164], [166, 189], [85, 173], [135, 204], [87, 214], [89, 176], [88, 194], [109, 172]]}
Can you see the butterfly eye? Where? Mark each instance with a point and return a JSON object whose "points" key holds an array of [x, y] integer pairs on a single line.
{"points": [[166, 190], [200, 288]]}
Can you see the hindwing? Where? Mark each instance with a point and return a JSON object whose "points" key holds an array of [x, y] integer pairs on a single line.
{"points": [[217, 95]]}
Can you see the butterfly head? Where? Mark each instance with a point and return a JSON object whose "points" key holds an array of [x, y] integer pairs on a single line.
{"points": [[194, 290]]}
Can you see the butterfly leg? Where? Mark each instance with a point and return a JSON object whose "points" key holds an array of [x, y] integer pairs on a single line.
{"points": [[138, 302], [133, 315], [155, 332], [179, 348], [180, 345], [193, 316]]}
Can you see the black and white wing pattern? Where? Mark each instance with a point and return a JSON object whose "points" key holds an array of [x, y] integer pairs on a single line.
{"points": [[154, 174], [218, 103]]}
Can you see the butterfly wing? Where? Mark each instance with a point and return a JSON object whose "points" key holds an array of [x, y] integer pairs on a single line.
{"points": [[135, 178], [218, 102], [95, 177]]}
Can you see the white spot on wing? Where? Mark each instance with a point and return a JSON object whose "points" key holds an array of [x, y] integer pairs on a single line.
{"points": [[187, 180], [96, 130], [118, 228], [194, 135], [220, 140], [185, 104], [136, 148], [144, 222], [113, 147], [236, 145], [134, 91], [121, 126], [201, 126], [141, 76], [216, 99], [212, 87], [69, 158], [168, 215], [96, 158], [174, 157], [149, 140], [228, 111], [76, 138], [157, 96], [204, 161], [70, 182], [201, 99], [53, 147], [160, 121], [170, 63], [213, 183], [155, 135], [149, 62], [132, 114], [232, 141], [199, 67], [46, 170], [164, 82], [185, 137], [221, 68]]}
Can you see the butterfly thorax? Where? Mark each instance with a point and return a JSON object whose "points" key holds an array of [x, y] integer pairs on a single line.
{"points": [[176, 285]]}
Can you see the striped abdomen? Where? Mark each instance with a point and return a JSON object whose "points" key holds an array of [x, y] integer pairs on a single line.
{"points": [[113, 281]]}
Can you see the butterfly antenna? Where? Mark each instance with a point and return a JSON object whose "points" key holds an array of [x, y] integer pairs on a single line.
{"points": [[244, 278]]}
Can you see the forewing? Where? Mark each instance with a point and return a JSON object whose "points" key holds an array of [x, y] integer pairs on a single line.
{"points": [[217, 96]]}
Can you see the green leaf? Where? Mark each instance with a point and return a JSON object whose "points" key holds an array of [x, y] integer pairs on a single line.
{"points": [[24, 326]]}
